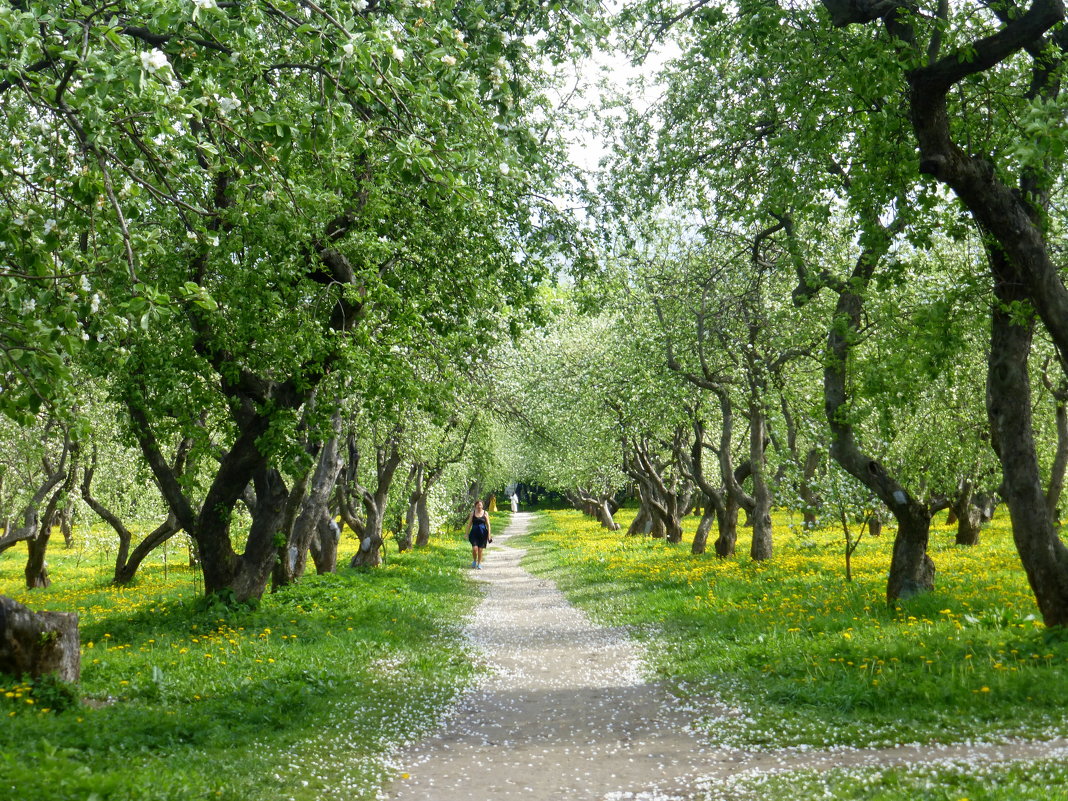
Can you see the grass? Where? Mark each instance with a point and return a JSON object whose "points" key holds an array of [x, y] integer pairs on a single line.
{"points": [[1042, 780], [305, 697], [805, 659]]}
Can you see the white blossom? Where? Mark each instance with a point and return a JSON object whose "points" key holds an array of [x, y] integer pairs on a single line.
{"points": [[214, 241], [347, 48], [86, 286], [94, 303], [29, 305], [360, 5], [49, 226], [228, 104], [398, 54], [154, 60], [448, 61], [205, 4], [504, 168]]}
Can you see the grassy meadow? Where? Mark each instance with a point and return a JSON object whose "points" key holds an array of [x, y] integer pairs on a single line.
{"points": [[304, 697], [309, 695], [802, 658]]}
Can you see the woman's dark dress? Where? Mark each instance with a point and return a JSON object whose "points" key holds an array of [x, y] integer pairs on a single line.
{"points": [[479, 536]]}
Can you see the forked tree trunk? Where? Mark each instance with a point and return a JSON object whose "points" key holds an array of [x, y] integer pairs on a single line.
{"points": [[370, 551], [36, 565], [127, 569], [294, 557], [388, 458]]}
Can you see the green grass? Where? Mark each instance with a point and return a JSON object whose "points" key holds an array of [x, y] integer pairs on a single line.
{"points": [[1043, 780], [803, 658], [302, 698]]}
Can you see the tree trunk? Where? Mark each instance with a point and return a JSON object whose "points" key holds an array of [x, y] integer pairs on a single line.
{"points": [[66, 525], [875, 525], [36, 566], [969, 516], [641, 525], [604, 514], [911, 569], [422, 514], [312, 508], [727, 523], [324, 544], [657, 530], [370, 552], [808, 495], [672, 529], [968, 527], [388, 457], [38, 643], [1060, 463], [255, 565], [1044, 556], [700, 539], [406, 539], [127, 569], [761, 510]]}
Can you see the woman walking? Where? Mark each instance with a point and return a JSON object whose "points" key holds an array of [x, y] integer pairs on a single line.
{"points": [[478, 534]]}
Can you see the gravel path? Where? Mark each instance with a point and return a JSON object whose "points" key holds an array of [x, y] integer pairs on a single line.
{"points": [[567, 714]]}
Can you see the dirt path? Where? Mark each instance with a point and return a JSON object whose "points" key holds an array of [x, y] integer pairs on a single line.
{"points": [[568, 716]]}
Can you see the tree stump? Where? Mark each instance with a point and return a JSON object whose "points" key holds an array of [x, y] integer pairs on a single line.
{"points": [[36, 643]]}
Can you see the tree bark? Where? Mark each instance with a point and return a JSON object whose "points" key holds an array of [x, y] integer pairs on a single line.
{"points": [[760, 512], [969, 515], [700, 538], [36, 565], [35, 643], [911, 569], [422, 515], [125, 572], [727, 523], [1044, 556], [324, 544], [642, 523], [388, 457], [808, 495], [293, 559], [1060, 458]]}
